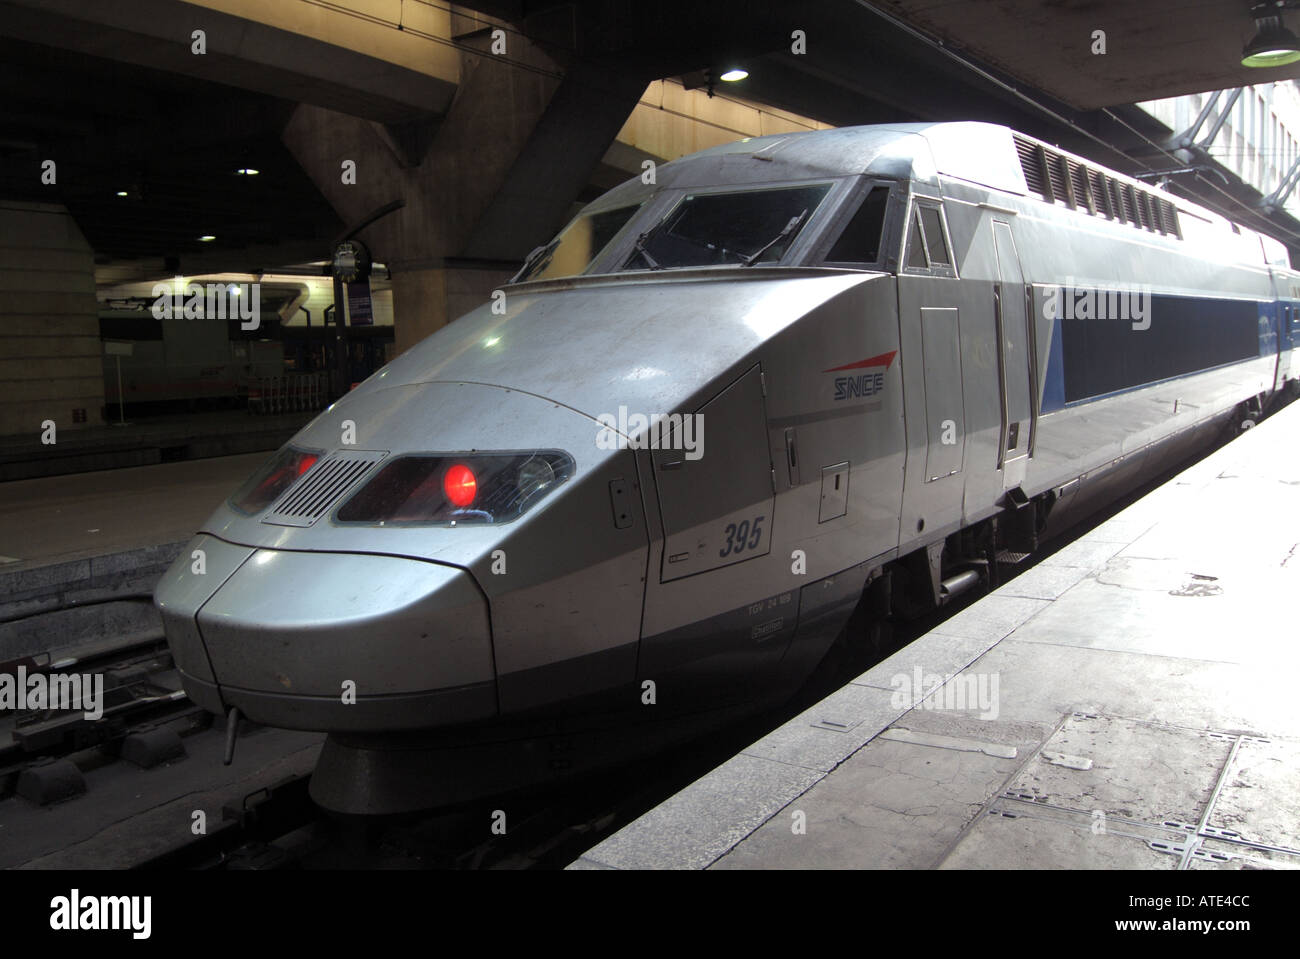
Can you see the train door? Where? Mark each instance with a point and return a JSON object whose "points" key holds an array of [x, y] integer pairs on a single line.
{"points": [[930, 340], [716, 505], [1016, 359]]}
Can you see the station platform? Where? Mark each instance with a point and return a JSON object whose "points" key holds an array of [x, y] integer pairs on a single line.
{"points": [[1129, 702], [69, 538], [142, 442]]}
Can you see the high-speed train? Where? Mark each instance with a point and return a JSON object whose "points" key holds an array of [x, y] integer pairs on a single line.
{"points": [[647, 485]]}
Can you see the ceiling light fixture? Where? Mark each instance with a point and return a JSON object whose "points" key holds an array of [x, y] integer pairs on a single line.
{"points": [[734, 74], [1273, 44]]}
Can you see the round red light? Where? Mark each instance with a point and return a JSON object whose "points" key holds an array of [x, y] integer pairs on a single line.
{"points": [[460, 485]]}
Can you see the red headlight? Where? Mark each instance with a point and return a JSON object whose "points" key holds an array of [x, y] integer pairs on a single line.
{"points": [[463, 488], [460, 485], [276, 476]]}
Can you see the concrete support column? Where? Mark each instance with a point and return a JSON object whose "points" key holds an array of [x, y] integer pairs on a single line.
{"points": [[445, 188], [51, 361], [425, 300], [481, 185], [419, 305]]}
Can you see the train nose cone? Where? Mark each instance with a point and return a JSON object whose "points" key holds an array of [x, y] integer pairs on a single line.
{"points": [[333, 641]]}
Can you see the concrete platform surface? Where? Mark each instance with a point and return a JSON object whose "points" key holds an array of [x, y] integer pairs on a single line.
{"points": [[145, 441], [1130, 702], [60, 519]]}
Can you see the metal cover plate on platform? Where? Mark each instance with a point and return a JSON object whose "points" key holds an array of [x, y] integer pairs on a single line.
{"points": [[1209, 799]]}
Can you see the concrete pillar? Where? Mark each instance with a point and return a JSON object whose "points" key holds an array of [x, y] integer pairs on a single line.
{"points": [[481, 185], [425, 300], [419, 306], [51, 360]]}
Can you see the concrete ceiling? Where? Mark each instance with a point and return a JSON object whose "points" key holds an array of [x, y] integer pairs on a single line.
{"points": [[173, 138], [1154, 48], [1027, 64], [172, 143]]}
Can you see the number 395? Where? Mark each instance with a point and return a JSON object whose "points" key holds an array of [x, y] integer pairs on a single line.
{"points": [[742, 536]]}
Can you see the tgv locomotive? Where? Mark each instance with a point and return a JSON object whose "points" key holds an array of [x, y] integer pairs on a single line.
{"points": [[794, 377]]}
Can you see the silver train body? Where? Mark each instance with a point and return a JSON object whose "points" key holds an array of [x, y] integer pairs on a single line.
{"points": [[871, 424]]}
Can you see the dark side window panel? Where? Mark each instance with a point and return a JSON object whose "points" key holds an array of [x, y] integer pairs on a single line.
{"points": [[860, 241], [1187, 334], [935, 242]]}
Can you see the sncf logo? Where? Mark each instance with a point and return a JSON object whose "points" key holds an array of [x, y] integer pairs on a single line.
{"points": [[864, 378]]}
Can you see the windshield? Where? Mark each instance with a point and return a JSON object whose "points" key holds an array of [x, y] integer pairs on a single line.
{"points": [[707, 229], [577, 245]]}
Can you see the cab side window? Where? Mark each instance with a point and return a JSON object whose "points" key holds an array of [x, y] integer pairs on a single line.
{"points": [[936, 243], [928, 249], [861, 239]]}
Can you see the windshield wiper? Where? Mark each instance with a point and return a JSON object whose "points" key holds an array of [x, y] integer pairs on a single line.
{"points": [[639, 247], [533, 258], [789, 228]]}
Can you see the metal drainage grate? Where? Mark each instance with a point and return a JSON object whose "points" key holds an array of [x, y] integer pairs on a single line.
{"points": [[321, 487]]}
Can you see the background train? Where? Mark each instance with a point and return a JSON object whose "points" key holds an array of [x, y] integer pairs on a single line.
{"points": [[899, 385], [179, 365]]}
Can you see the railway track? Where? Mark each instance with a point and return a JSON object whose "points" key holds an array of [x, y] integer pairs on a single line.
{"points": [[136, 695], [281, 828]]}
